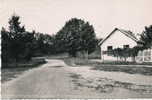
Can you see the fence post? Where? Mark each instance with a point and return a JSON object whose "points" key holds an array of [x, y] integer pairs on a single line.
{"points": [[143, 56], [151, 53]]}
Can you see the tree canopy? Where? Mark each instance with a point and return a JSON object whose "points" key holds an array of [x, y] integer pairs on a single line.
{"points": [[146, 37], [20, 45], [77, 35]]}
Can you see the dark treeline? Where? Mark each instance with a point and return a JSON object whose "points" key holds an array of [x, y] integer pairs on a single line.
{"points": [[20, 45], [76, 36]]}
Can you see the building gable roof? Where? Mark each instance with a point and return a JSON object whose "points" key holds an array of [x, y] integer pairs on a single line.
{"points": [[125, 32]]}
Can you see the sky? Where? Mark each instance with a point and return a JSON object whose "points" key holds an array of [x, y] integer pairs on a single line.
{"points": [[49, 16]]}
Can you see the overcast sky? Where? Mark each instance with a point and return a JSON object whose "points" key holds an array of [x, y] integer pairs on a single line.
{"points": [[48, 16]]}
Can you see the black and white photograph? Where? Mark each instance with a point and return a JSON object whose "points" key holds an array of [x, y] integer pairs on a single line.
{"points": [[76, 49]]}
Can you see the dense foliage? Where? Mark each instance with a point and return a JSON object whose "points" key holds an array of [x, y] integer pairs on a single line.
{"points": [[146, 38], [76, 36], [124, 53], [20, 45]]}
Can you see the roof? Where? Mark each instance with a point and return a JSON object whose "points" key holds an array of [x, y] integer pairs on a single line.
{"points": [[125, 32]]}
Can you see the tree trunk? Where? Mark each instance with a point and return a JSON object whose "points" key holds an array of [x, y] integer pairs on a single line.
{"points": [[16, 61], [87, 54], [134, 59], [117, 58], [151, 53]]}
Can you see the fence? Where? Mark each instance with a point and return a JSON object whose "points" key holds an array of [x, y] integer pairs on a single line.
{"points": [[144, 56]]}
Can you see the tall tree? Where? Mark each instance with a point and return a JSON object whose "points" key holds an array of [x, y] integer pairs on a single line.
{"points": [[28, 45], [14, 26], [77, 35], [146, 37], [16, 36], [43, 44], [88, 39], [20, 45], [5, 45]]}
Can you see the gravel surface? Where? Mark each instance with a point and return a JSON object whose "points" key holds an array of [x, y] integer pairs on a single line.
{"points": [[55, 79]]}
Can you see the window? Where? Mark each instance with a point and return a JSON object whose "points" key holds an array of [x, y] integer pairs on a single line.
{"points": [[125, 46], [109, 48]]}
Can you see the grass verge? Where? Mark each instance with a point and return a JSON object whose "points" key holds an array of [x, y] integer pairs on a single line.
{"points": [[11, 72], [112, 67]]}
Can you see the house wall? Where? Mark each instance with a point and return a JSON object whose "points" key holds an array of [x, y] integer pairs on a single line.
{"points": [[116, 40]]}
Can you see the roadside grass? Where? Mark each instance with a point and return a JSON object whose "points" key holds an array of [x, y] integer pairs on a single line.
{"points": [[10, 72], [71, 61], [125, 63], [127, 69], [110, 67]]}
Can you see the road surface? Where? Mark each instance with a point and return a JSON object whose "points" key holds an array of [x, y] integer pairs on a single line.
{"points": [[55, 79]]}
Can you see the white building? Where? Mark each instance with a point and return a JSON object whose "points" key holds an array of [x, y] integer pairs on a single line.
{"points": [[120, 38]]}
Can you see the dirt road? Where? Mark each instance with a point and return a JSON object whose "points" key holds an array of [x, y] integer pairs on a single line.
{"points": [[55, 79]]}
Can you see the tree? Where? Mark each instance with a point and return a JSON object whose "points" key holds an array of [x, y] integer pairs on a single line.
{"points": [[88, 39], [146, 38], [16, 37], [124, 53], [28, 45], [77, 35], [134, 51], [5, 46], [117, 52], [43, 44], [20, 45]]}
